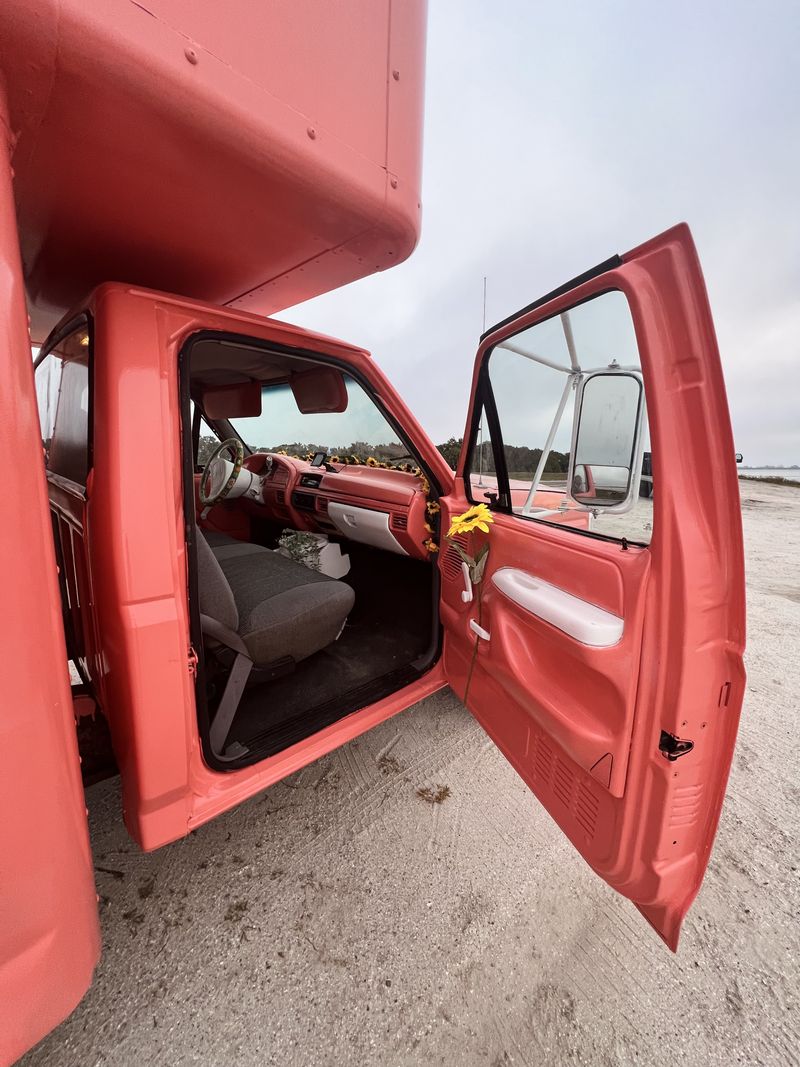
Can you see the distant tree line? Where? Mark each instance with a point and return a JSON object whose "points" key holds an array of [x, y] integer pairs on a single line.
{"points": [[520, 459], [386, 453]]}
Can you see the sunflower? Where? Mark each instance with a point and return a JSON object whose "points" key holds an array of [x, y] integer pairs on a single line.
{"points": [[372, 462], [475, 518], [431, 545]]}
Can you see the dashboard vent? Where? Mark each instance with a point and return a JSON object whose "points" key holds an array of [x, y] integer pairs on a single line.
{"points": [[399, 520], [280, 476], [280, 496], [322, 503]]}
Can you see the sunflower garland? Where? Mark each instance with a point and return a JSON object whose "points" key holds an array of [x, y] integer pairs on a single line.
{"points": [[432, 507]]}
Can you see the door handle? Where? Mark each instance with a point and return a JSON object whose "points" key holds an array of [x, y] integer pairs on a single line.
{"points": [[478, 630], [466, 594]]}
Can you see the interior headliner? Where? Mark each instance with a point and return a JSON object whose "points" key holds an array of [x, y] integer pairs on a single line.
{"points": [[222, 362]]}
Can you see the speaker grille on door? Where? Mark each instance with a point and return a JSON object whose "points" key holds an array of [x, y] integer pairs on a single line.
{"points": [[451, 561], [553, 775]]}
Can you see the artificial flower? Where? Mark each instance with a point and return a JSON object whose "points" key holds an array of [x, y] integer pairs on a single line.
{"points": [[477, 517]]}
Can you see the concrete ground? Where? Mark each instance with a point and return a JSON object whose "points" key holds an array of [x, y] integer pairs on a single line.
{"points": [[342, 919]]}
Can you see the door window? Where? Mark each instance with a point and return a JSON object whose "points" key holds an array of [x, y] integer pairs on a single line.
{"points": [[62, 393], [568, 386]]}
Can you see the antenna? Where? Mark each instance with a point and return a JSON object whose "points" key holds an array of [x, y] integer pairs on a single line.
{"points": [[480, 427]]}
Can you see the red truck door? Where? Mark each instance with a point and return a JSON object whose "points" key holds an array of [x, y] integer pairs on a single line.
{"points": [[602, 649], [49, 931]]}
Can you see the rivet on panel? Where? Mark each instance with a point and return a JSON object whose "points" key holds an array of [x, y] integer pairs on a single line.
{"points": [[191, 55], [393, 182], [312, 133], [396, 75]]}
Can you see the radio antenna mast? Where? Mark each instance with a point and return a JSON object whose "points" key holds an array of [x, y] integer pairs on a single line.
{"points": [[480, 427]]}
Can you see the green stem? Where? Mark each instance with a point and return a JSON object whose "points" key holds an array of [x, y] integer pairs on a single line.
{"points": [[475, 649]]}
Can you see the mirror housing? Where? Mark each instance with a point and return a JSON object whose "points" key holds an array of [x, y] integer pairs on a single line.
{"points": [[605, 459]]}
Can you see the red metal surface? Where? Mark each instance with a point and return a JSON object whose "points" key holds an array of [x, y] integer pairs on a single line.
{"points": [[49, 933], [138, 561], [552, 706], [240, 152]]}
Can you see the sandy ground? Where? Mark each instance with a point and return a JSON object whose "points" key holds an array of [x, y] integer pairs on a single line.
{"points": [[341, 919]]}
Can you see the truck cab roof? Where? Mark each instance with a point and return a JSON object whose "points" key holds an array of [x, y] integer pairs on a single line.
{"points": [[154, 146]]}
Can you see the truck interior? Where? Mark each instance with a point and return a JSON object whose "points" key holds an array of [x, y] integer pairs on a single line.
{"points": [[312, 588]]}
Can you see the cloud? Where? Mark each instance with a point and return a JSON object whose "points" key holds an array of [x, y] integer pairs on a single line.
{"points": [[559, 134]]}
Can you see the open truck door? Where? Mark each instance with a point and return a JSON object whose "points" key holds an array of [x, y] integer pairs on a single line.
{"points": [[49, 930], [607, 669]]}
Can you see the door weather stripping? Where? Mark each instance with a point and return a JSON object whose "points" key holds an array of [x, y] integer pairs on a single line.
{"points": [[672, 747]]}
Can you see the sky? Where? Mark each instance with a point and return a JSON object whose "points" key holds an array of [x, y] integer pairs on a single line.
{"points": [[558, 134]]}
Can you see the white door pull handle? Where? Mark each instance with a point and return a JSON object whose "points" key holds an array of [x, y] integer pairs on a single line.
{"points": [[479, 630], [466, 594]]}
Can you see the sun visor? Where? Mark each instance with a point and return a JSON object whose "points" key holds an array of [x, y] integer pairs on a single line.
{"points": [[319, 391], [240, 401]]}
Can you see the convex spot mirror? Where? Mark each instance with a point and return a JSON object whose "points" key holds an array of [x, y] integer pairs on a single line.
{"points": [[606, 458]]}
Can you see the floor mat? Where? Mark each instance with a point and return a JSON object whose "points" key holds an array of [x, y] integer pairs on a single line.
{"points": [[389, 628]]}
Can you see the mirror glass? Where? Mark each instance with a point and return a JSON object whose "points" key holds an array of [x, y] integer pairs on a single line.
{"points": [[606, 439]]}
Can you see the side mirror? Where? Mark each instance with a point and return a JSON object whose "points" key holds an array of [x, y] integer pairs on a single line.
{"points": [[606, 456]]}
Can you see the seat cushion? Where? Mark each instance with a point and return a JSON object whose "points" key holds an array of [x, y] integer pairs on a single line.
{"points": [[284, 608]]}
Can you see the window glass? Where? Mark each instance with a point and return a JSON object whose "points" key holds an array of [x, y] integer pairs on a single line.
{"points": [[208, 440], [571, 382], [482, 464], [48, 383], [62, 393], [360, 430]]}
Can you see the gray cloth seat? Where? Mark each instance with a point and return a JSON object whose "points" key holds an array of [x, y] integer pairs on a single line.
{"points": [[279, 608]]}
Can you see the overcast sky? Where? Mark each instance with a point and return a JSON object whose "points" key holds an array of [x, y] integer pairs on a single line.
{"points": [[559, 133]]}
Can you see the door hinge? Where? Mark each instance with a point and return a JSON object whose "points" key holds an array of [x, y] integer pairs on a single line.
{"points": [[193, 661], [672, 747]]}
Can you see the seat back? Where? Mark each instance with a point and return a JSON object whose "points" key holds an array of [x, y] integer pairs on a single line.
{"points": [[214, 591]]}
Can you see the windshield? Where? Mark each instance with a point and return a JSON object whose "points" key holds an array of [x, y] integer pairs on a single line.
{"points": [[360, 430]]}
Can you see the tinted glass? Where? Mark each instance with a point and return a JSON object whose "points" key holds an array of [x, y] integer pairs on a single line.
{"points": [[62, 392]]}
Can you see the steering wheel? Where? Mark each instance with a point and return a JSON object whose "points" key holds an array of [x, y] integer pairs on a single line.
{"points": [[219, 476]]}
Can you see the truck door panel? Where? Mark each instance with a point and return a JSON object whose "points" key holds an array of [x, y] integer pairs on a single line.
{"points": [[627, 743], [541, 667]]}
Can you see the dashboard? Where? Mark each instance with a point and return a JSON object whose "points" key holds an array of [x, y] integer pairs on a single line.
{"points": [[382, 508]]}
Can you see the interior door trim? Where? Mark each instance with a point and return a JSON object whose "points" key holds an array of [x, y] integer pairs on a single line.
{"points": [[587, 623]]}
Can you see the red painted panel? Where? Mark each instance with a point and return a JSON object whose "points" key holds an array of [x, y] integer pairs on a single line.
{"points": [[271, 142], [138, 561], [684, 615], [49, 932]]}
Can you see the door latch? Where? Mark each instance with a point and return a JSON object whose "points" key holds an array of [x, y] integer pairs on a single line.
{"points": [[479, 630], [193, 661], [672, 747]]}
